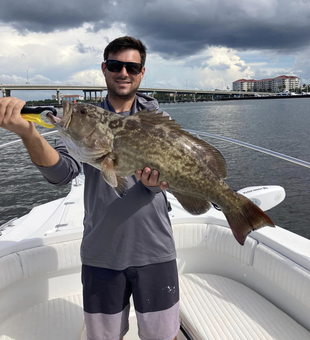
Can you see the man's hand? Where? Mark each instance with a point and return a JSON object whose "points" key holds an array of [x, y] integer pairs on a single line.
{"points": [[10, 117], [150, 178], [40, 151]]}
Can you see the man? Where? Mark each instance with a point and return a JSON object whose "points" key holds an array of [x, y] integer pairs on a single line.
{"points": [[127, 246]]}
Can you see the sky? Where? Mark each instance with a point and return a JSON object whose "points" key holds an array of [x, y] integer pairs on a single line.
{"points": [[191, 44]]}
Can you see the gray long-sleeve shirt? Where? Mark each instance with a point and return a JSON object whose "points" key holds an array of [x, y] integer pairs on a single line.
{"points": [[118, 232]]}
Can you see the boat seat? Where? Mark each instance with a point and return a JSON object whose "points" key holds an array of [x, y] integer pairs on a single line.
{"points": [[217, 308], [60, 319]]}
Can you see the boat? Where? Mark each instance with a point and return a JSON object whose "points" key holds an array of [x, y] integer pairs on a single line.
{"points": [[227, 291]]}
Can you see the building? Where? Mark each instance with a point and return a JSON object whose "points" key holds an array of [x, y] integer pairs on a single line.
{"points": [[286, 83], [244, 85], [72, 98], [277, 84]]}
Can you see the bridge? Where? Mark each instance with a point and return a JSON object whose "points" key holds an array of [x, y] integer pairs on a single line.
{"points": [[164, 95]]}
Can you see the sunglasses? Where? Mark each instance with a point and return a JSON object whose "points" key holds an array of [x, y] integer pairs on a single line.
{"points": [[117, 66]]}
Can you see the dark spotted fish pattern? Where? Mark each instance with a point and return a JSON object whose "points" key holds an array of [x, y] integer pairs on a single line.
{"points": [[194, 169]]}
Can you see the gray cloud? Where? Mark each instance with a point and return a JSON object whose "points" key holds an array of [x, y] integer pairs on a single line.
{"points": [[242, 67], [48, 16], [174, 28], [189, 26], [199, 61], [81, 48]]}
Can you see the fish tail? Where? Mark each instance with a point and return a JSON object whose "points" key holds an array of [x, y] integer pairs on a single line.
{"points": [[246, 218]]}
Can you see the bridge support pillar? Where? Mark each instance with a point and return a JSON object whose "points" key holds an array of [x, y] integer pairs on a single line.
{"points": [[6, 93], [58, 96], [84, 95], [101, 99], [194, 97], [175, 97]]}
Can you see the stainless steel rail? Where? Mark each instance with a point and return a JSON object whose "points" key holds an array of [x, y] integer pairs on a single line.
{"points": [[19, 140], [254, 147]]}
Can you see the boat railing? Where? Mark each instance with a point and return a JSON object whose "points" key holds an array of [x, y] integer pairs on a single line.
{"points": [[7, 224], [19, 140], [251, 146]]}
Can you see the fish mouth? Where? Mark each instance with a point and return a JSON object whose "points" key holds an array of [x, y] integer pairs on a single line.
{"points": [[61, 122], [65, 107], [67, 114], [53, 119], [65, 120]]}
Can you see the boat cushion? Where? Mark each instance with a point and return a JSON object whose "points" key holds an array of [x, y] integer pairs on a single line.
{"points": [[283, 272], [213, 237], [214, 307], [221, 239], [10, 270], [190, 235], [60, 319], [51, 258]]}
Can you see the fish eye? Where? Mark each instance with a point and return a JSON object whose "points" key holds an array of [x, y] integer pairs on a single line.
{"points": [[84, 112]]}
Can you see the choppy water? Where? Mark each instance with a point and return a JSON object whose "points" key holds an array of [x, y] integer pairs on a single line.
{"points": [[281, 125]]}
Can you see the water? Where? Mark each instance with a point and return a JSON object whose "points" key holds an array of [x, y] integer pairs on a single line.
{"points": [[281, 125]]}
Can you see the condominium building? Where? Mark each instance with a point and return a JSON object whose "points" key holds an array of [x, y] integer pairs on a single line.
{"points": [[277, 84], [244, 85], [69, 98], [72, 98]]}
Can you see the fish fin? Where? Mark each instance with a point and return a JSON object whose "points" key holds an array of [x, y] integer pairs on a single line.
{"points": [[245, 219], [216, 161], [119, 184], [192, 204], [108, 173], [122, 186], [156, 118]]}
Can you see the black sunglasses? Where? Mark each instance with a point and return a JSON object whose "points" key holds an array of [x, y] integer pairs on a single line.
{"points": [[117, 66]]}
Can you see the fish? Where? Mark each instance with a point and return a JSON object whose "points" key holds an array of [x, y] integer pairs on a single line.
{"points": [[193, 168]]}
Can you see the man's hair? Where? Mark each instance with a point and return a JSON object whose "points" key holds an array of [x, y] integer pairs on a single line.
{"points": [[125, 43]]}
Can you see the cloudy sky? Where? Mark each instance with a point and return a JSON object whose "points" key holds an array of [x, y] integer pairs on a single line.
{"points": [[194, 44]]}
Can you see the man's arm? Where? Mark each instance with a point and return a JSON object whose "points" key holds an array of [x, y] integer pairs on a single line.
{"points": [[40, 151]]}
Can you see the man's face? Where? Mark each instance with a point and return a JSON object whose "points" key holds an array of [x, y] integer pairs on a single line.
{"points": [[122, 84]]}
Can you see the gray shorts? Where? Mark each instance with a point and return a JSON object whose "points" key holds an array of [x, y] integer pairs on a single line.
{"points": [[155, 291]]}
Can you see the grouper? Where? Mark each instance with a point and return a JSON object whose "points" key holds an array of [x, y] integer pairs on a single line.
{"points": [[194, 169]]}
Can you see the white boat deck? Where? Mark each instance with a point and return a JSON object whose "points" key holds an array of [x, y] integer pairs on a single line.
{"points": [[41, 291], [258, 291]]}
